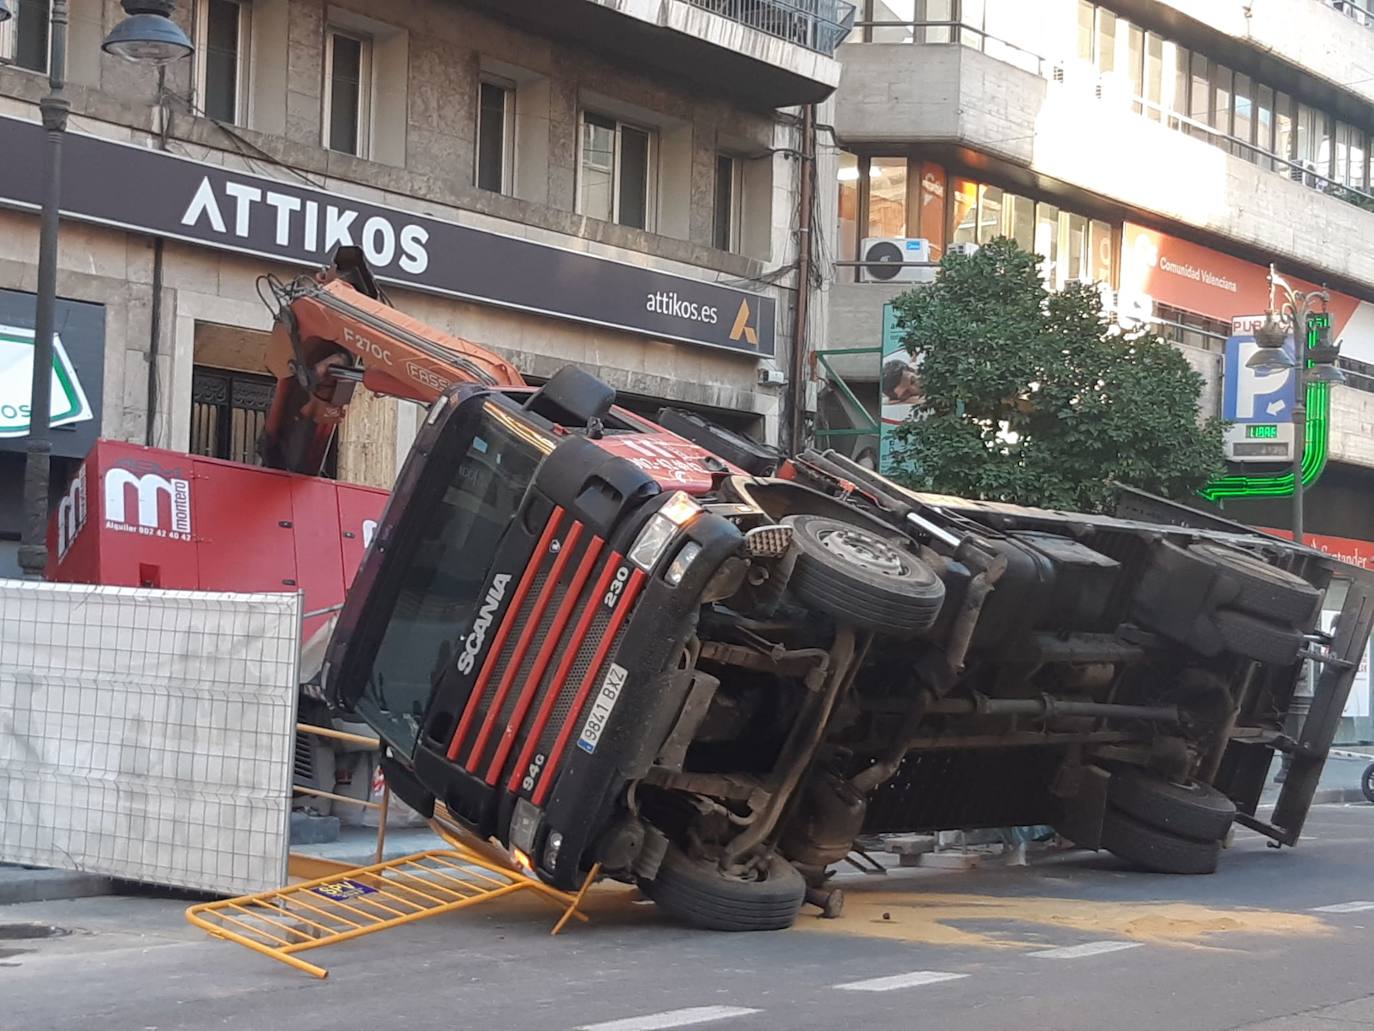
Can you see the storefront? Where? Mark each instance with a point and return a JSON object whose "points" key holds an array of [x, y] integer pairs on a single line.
{"points": [[136, 219]]}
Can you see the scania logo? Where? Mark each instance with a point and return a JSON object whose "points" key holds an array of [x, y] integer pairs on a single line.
{"points": [[477, 636]]}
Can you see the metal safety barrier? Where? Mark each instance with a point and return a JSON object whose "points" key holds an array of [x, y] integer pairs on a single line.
{"points": [[353, 903]]}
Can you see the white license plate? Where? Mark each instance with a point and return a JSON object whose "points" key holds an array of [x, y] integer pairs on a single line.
{"points": [[602, 706]]}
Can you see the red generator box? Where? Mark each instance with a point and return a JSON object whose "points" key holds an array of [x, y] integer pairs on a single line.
{"points": [[140, 517]]}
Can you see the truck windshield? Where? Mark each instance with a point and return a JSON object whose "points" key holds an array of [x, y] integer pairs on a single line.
{"points": [[446, 564]]}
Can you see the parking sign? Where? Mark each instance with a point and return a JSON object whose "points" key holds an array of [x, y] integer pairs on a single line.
{"points": [[1252, 395]]}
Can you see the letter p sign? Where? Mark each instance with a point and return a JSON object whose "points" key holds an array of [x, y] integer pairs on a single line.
{"points": [[1255, 395]]}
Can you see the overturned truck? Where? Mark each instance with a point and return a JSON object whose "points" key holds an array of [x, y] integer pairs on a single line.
{"points": [[663, 650], [713, 696]]}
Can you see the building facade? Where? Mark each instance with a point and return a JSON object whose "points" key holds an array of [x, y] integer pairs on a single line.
{"points": [[607, 184], [1169, 149]]}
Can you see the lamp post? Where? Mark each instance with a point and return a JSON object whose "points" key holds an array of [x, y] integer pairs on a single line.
{"points": [[1314, 359], [147, 35]]}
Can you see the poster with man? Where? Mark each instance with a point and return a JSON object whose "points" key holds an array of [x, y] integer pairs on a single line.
{"points": [[899, 386]]}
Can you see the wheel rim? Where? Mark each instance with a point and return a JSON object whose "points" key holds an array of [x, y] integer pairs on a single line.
{"points": [[861, 549]]}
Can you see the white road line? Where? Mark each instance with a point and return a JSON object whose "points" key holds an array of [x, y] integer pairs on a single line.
{"points": [[1086, 949], [1346, 907], [887, 984], [671, 1018]]}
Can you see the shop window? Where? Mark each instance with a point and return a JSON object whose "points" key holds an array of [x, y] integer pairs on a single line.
{"points": [[1018, 220], [495, 135], [1047, 241], [847, 206], [932, 220], [1101, 247], [727, 212], [617, 171], [1073, 249], [348, 91], [887, 194], [1190, 329], [964, 214], [24, 38], [222, 54], [989, 213]]}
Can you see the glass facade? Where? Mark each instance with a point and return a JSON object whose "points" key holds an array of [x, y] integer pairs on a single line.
{"points": [[913, 198]]}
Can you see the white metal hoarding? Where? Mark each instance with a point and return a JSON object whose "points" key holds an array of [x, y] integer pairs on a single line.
{"points": [[148, 734]]}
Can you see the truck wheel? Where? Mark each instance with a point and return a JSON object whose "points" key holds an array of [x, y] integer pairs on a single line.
{"points": [[1262, 589], [700, 894], [1156, 850], [1196, 811], [859, 577], [1257, 638], [1367, 782]]}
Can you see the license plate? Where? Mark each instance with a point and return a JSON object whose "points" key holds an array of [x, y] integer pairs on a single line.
{"points": [[601, 709]]}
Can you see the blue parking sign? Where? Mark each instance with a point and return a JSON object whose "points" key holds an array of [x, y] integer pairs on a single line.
{"points": [[1250, 395]]}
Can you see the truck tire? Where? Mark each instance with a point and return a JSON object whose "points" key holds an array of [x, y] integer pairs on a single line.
{"points": [[1195, 810], [1156, 850], [1261, 589], [1367, 782], [699, 894], [859, 577], [1258, 639]]}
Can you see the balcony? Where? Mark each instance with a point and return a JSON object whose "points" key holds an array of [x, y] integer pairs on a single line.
{"points": [[763, 53]]}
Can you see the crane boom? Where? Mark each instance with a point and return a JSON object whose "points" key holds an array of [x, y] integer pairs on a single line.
{"points": [[334, 330]]}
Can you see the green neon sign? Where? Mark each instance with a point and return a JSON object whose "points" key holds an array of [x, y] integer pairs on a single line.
{"points": [[1277, 485]]}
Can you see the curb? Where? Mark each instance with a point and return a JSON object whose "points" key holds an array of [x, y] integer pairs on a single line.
{"points": [[1328, 796], [18, 884]]}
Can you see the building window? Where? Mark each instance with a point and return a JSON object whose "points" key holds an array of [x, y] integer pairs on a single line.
{"points": [[495, 135], [729, 200], [228, 413], [222, 35], [847, 206], [24, 38], [617, 171], [348, 92], [887, 192]]}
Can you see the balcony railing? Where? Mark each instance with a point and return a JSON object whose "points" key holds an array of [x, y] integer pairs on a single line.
{"points": [[1356, 12], [819, 25], [1105, 88]]}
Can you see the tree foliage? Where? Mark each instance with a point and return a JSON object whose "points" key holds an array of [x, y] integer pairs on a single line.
{"points": [[1037, 398]]}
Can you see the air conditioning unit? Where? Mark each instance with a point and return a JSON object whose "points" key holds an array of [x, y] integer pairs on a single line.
{"points": [[882, 258], [968, 250]]}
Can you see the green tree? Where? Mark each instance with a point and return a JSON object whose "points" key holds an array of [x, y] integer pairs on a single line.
{"points": [[1037, 398]]}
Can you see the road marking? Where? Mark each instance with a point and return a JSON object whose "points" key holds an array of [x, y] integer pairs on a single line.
{"points": [[1346, 907], [1086, 949], [887, 984], [671, 1018]]}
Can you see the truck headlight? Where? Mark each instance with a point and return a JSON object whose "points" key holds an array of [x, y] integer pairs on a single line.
{"points": [[678, 568], [659, 531]]}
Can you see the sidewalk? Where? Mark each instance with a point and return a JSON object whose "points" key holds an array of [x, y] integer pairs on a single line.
{"points": [[1340, 781]]}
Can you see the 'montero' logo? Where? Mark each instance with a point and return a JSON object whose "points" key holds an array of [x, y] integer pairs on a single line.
{"points": [[477, 636], [147, 492], [71, 513]]}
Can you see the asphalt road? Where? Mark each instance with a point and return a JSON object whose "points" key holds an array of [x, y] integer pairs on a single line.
{"points": [[1277, 940]]}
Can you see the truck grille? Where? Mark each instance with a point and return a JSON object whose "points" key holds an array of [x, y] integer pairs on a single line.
{"points": [[556, 638]]}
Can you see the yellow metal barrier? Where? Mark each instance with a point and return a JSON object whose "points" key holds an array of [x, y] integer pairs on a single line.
{"points": [[384, 806], [349, 904]]}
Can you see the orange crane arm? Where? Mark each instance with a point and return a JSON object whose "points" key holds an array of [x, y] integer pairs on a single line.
{"points": [[335, 330]]}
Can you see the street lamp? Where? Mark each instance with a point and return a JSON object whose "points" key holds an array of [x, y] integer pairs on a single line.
{"points": [[148, 35], [1314, 359]]}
